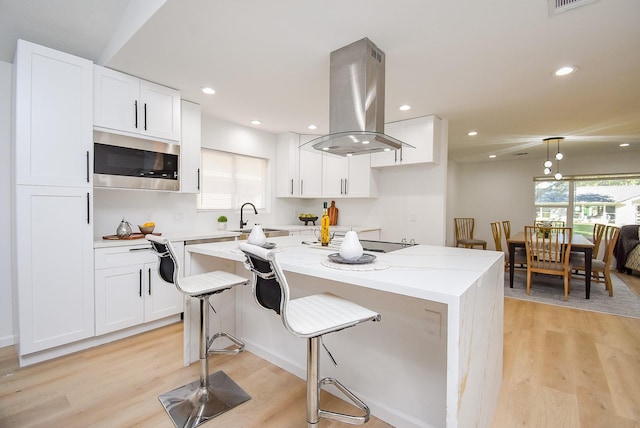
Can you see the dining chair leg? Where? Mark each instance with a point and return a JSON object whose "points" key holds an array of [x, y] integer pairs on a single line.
{"points": [[528, 282]]}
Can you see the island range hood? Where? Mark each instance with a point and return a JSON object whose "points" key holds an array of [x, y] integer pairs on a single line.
{"points": [[356, 103]]}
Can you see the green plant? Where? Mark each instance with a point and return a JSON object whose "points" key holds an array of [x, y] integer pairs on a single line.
{"points": [[222, 219]]}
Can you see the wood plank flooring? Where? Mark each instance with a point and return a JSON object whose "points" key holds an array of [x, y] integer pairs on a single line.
{"points": [[562, 368]]}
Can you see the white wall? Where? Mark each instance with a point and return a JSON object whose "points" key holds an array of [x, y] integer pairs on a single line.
{"points": [[503, 190], [6, 312]]}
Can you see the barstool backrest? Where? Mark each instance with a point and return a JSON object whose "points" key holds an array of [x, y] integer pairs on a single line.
{"points": [[270, 288], [168, 266]]}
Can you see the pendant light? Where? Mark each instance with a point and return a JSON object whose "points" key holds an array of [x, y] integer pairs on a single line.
{"points": [[548, 163], [559, 156]]}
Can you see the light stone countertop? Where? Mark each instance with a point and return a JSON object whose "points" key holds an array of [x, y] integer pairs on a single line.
{"points": [[215, 233], [439, 274]]}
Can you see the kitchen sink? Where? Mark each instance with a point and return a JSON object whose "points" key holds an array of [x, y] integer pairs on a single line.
{"points": [[267, 232]]}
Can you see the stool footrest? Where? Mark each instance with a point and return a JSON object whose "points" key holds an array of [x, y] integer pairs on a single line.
{"points": [[341, 417], [237, 343]]}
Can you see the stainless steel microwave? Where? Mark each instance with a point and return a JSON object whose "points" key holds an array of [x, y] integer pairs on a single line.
{"points": [[134, 163]]}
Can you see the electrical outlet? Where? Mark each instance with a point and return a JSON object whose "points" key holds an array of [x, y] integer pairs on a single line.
{"points": [[179, 217], [413, 218]]}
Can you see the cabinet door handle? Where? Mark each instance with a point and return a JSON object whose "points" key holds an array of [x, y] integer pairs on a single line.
{"points": [[301, 187], [135, 113], [149, 281], [145, 116], [140, 282], [198, 178], [88, 166], [88, 208], [341, 186], [345, 186], [292, 186], [401, 154]]}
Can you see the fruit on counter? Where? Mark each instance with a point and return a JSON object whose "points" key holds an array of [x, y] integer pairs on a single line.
{"points": [[308, 216], [149, 224]]}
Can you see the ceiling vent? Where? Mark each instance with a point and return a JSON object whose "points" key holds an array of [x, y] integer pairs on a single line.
{"points": [[559, 6]]}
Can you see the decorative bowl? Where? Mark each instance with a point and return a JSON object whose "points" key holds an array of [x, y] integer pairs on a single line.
{"points": [[308, 219], [145, 230]]}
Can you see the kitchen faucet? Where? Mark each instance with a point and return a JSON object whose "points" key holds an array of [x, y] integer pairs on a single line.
{"points": [[244, 223]]}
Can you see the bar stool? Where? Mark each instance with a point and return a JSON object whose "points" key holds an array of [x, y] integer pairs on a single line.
{"points": [[309, 317], [201, 400]]}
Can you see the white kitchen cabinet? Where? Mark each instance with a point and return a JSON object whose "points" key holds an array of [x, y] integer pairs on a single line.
{"points": [[348, 177], [128, 289], [52, 114], [190, 145], [422, 132], [53, 266], [310, 166], [287, 165], [52, 216], [132, 105]]}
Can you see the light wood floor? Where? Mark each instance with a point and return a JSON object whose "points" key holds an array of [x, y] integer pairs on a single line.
{"points": [[562, 368]]}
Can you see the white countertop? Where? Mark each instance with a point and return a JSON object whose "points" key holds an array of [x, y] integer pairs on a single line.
{"points": [[215, 233], [439, 274]]}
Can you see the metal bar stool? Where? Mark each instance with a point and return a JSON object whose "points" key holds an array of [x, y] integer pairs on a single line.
{"points": [[197, 402], [309, 317]]}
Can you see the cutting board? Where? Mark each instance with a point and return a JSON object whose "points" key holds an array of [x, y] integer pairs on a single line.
{"points": [[333, 214]]}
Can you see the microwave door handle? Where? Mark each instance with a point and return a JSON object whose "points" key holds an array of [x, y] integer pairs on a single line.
{"points": [[135, 113]]}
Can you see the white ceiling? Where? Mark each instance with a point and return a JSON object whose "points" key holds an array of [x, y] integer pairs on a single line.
{"points": [[484, 65]]}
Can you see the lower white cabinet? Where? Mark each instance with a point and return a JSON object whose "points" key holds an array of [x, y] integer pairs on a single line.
{"points": [[54, 266], [128, 289]]}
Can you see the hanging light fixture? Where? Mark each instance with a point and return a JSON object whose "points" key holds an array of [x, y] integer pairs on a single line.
{"points": [[548, 164]]}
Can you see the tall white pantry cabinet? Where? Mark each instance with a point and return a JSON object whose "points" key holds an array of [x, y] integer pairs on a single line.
{"points": [[52, 233]]}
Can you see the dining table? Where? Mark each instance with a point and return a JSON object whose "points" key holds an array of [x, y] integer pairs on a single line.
{"points": [[579, 243]]}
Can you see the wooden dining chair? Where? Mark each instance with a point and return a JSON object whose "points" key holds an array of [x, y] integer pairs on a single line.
{"points": [[464, 233], [520, 256], [548, 252], [610, 235], [496, 230], [598, 231]]}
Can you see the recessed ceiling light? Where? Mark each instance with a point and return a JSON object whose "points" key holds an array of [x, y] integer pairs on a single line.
{"points": [[492, 156], [624, 145], [312, 127], [472, 133], [405, 107], [563, 71], [256, 122], [365, 142], [208, 91]]}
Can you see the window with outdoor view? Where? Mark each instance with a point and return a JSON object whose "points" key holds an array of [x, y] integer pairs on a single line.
{"points": [[605, 199], [228, 180]]}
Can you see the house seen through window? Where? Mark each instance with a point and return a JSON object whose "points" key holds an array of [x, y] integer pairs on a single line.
{"points": [[583, 201]]}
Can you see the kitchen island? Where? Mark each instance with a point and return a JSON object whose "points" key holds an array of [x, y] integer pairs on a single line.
{"points": [[434, 360]]}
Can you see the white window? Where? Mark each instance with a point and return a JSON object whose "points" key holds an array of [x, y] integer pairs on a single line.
{"points": [[582, 201], [228, 180]]}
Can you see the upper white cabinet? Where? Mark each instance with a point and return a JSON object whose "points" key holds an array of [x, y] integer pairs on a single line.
{"points": [[190, 147], [128, 104], [287, 168], [299, 171], [310, 165], [422, 132], [53, 121], [348, 177]]}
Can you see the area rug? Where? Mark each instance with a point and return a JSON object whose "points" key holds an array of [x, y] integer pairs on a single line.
{"points": [[549, 289]]}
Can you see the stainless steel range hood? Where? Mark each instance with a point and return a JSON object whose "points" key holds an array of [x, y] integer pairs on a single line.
{"points": [[356, 103]]}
